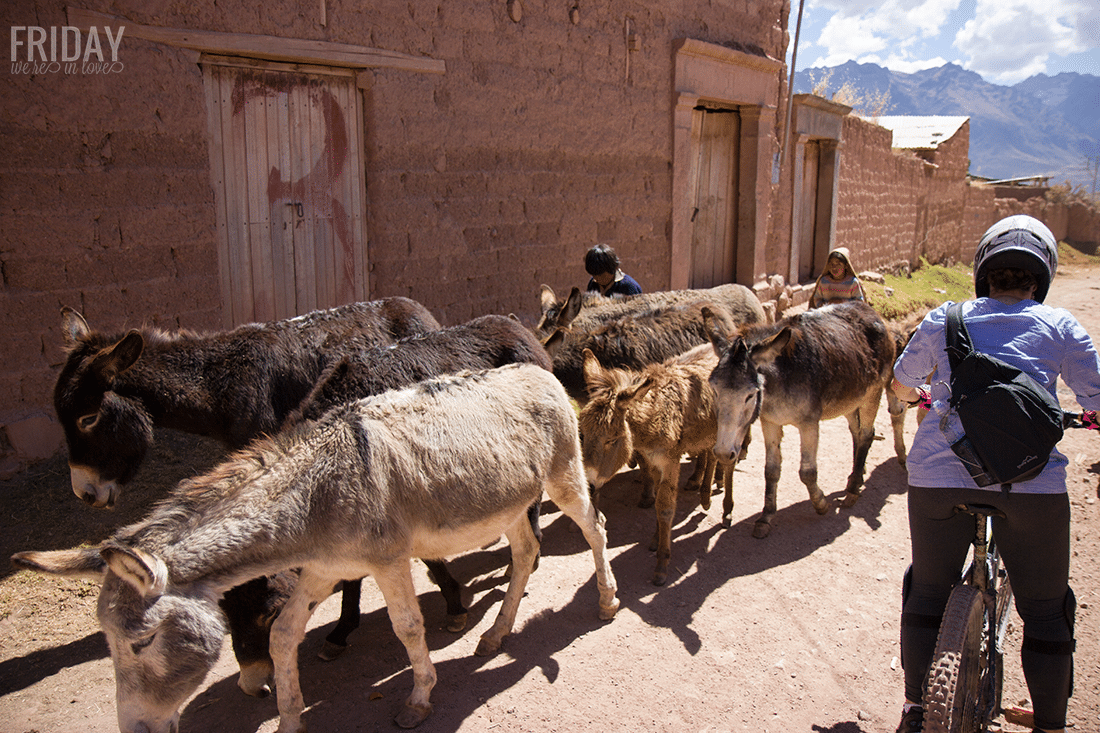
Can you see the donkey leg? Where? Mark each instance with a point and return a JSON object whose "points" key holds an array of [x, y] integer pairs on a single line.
{"points": [[286, 633], [667, 491], [702, 478], [897, 410], [810, 435], [337, 640], [649, 489], [773, 464], [570, 494], [524, 551], [861, 423], [395, 582], [727, 499], [452, 594]]}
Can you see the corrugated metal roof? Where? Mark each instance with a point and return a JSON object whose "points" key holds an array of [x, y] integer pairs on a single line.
{"points": [[918, 133]]}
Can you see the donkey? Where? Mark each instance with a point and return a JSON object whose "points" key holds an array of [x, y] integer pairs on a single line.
{"points": [[659, 414], [482, 343], [361, 491], [634, 332], [809, 367], [235, 386], [232, 385], [581, 312]]}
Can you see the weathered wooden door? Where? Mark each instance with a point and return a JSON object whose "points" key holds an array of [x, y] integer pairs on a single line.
{"points": [[714, 217], [287, 165], [807, 268]]}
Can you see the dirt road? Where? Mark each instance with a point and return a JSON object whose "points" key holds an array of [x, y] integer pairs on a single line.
{"points": [[796, 632]]}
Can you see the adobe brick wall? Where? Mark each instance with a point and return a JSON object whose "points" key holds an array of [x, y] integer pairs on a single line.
{"points": [[482, 183]]}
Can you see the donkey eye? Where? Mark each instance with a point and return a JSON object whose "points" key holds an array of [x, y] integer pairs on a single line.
{"points": [[87, 422], [140, 644], [750, 397]]}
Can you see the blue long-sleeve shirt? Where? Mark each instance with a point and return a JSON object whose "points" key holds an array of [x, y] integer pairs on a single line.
{"points": [[1043, 341]]}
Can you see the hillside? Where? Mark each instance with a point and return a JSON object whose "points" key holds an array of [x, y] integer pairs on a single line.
{"points": [[1044, 125]]}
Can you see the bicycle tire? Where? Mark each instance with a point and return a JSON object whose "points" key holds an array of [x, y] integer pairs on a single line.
{"points": [[951, 690]]}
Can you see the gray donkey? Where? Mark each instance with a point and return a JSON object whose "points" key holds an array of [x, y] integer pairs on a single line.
{"points": [[439, 468]]}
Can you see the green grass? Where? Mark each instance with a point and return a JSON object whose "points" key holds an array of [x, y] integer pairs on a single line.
{"points": [[926, 287], [930, 285]]}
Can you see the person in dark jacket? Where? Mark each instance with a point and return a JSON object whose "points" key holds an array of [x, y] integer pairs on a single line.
{"points": [[608, 280]]}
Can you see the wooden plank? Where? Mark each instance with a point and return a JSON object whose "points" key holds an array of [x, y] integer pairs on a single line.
{"points": [[218, 182], [297, 50], [357, 195]]}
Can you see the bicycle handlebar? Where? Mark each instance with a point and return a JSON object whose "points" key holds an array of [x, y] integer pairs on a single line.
{"points": [[1086, 419]]}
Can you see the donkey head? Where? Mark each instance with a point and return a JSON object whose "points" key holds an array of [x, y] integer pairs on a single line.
{"points": [[162, 643], [607, 442], [737, 382], [107, 433], [557, 314]]}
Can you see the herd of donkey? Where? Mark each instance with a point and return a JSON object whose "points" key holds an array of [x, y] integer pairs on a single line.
{"points": [[368, 435]]}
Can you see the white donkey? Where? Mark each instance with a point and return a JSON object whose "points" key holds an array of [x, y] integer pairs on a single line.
{"points": [[433, 470]]}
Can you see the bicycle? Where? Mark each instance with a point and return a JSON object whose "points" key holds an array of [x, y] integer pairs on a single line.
{"points": [[963, 690], [962, 693]]}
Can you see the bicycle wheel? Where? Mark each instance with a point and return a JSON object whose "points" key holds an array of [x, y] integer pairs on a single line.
{"points": [[951, 694]]}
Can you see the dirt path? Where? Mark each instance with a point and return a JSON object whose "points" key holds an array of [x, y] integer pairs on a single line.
{"points": [[797, 632]]}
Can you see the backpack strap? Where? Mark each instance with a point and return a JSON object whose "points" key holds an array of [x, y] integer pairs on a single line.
{"points": [[959, 344]]}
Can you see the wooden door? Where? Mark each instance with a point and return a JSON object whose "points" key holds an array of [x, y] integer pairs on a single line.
{"points": [[714, 216], [287, 165], [807, 268]]}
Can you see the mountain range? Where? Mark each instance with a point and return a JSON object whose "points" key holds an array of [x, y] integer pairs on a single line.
{"points": [[1045, 125]]}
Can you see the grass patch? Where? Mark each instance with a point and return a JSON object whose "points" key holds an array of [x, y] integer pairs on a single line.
{"points": [[926, 287], [1068, 255]]}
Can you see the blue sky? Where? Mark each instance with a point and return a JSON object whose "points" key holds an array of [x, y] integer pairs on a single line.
{"points": [[1004, 41]]}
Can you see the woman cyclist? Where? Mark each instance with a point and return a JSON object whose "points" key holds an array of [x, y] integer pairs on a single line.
{"points": [[1014, 264]]}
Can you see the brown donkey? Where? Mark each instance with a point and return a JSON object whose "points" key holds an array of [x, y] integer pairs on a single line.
{"points": [[658, 414]]}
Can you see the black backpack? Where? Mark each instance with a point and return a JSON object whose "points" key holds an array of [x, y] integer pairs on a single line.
{"points": [[1011, 423]]}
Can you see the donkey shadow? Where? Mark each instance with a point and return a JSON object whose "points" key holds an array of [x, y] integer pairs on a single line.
{"points": [[365, 687]]}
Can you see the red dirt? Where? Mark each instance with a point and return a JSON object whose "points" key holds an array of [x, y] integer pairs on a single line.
{"points": [[796, 632]]}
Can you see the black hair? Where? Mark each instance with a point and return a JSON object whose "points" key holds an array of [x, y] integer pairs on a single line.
{"points": [[600, 259], [1011, 278]]}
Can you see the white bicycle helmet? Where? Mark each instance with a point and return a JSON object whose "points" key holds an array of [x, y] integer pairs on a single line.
{"points": [[1018, 241]]}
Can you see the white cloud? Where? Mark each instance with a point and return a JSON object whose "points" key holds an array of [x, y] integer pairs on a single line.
{"points": [[870, 32], [1010, 40]]}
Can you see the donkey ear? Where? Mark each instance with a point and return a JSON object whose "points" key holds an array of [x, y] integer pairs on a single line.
{"points": [[73, 326], [571, 308], [554, 342], [592, 369], [120, 357], [766, 351], [637, 390], [84, 562], [719, 338], [146, 573], [547, 299]]}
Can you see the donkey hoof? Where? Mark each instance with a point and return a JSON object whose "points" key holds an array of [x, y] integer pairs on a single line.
{"points": [[646, 501], [761, 530], [487, 647], [608, 612], [660, 577], [331, 651], [849, 499], [727, 521], [457, 622], [413, 715]]}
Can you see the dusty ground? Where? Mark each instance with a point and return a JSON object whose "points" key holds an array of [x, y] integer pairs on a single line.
{"points": [[797, 632]]}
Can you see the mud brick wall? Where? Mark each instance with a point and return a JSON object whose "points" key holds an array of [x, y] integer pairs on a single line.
{"points": [[895, 207], [543, 137]]}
